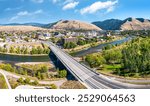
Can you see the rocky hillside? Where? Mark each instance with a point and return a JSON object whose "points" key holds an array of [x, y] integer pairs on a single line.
{"points": [[74, 25], [127, 24]]}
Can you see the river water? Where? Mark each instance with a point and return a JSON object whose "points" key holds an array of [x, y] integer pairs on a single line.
{"points": [[99, 47], [16, 58]]}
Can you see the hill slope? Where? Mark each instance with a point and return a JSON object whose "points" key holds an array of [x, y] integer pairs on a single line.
{"points": [[136, 24], [74, 25], [111, 24]]}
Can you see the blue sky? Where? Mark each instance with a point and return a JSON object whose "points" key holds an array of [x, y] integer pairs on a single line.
{"points": [[46, 11]]}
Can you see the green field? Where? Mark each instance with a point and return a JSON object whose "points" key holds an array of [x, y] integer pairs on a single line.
{"points": [[3, 84]]}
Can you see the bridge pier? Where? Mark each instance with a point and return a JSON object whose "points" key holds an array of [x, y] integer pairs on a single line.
{"points": [[58, 65]]}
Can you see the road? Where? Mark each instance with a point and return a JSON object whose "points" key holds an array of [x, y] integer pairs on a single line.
{"points": [[87, 76], [7, 82]]}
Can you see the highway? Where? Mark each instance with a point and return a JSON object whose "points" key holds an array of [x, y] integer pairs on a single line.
{"points": [[85, 75]]}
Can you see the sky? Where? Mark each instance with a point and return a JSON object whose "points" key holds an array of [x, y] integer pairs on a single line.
{"points": [[48, 11]]}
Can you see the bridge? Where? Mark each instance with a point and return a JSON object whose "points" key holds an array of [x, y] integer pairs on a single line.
{"points": [[86, 75]]}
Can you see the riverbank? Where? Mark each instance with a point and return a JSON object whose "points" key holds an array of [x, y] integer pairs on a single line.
{"points": [[24, 58], [15, 54], [90, 45], [99, 47]]}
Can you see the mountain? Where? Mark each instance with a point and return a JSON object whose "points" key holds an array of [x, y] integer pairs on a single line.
{"points": [[136, 24], [127, 24], [111, 24], [74, 25]]}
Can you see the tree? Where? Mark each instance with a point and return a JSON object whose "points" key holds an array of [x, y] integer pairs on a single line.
{"points": [[81, 42], [39, 50], [38, 75], [136, 57], [113, 56], [33, 51], [95, 60], [12, 50], [26, 39], [13, 40], [20, 80], [70, 45], [20, 71], [27, 81], [109, 46], [35, 82], [18, 51], [53, 86], [25, 51], [62, 73], [44, 69], [8, 67]]}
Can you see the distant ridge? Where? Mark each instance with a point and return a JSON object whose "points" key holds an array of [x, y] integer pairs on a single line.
{"points": [[20, 28], [110, 24], [24, 24], [127, 24]]}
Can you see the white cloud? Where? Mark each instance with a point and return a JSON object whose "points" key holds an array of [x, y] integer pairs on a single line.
{"points": [[97, 6], [70, 5], [37, 1], [110, 9], [38, 12], [25, 13], [68, 1], [63, 1]]}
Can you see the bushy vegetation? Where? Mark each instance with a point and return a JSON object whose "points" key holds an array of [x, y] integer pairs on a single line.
{"points": [[69, 45], [112, 56], [27, 81], [53, 86], [62, 73], [40, 73], [136, 57], [133, 59], [95, 60], [24, 50]]}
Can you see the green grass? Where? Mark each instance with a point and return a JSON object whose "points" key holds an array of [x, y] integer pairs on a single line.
{"points": [[112, 67], [3, 84], [109, 69]]}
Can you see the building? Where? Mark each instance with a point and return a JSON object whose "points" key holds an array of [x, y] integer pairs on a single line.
{"points": [[70, 39]]}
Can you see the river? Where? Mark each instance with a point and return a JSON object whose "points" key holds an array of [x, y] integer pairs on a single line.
{"points": [[45, 58], [99, 47], [20, 58]]}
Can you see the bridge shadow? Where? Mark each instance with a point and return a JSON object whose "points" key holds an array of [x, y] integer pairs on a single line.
{"points": [[58, 65]]}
